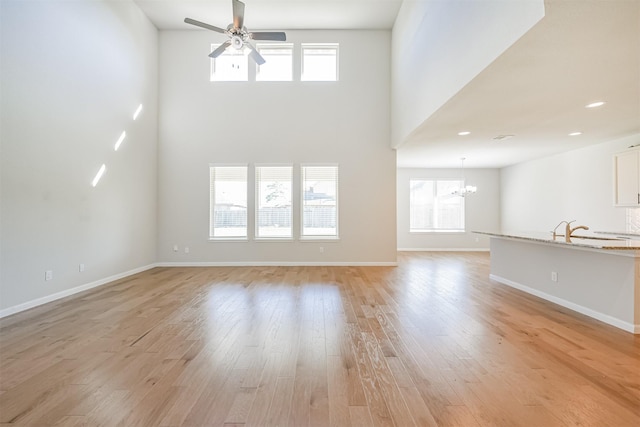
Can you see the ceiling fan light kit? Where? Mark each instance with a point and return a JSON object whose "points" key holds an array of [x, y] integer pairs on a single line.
{"points": [[239, 36]]}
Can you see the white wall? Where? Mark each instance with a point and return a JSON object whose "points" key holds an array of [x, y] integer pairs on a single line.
{"points": [[277, 122], [577, 184], [441, 45], [482, 210], [600, 284], [72, 74]]}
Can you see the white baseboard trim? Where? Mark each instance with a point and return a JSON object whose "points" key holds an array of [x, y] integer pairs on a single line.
{"points": [[58, 295], [443, 249], [610, 320], [278, 264]]}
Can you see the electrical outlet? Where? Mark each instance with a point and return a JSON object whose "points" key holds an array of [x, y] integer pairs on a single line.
{"points": [[81, 268], [175, 248], [186, 249], [554, 276], [48, 275], [321, 249], [477, 239]]}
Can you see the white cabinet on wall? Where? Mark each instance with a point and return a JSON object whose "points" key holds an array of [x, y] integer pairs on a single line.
{"points": [[627, 178]]}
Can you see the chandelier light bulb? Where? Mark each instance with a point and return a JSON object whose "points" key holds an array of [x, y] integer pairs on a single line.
{"points": [[464, 189]]}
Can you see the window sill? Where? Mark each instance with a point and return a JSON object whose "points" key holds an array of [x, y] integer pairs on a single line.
{"points": [[437, 231], [228, 239], [321, 239], [273, 239]]}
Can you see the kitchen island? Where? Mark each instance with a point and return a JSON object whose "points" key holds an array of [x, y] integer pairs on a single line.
{"points": [[597, 274]]}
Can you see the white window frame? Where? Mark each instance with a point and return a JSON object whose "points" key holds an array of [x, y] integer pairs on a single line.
{"points": [[316, 237], [334, 46], [212, 203], [260, 47], [437, 199], [257, 235]]}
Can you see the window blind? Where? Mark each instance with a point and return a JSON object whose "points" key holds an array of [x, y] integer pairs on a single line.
{"points": [[319, 201], [319, 62]]}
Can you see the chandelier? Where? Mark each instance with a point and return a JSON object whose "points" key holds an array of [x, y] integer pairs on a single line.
{"points": [[465, 189]]}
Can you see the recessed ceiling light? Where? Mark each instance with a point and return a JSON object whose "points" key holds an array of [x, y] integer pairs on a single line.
{"points": [[595, 104], [464, 133], [575, 133]]}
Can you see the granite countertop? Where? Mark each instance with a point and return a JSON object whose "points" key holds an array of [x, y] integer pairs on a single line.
{"points": [[599, 240]]}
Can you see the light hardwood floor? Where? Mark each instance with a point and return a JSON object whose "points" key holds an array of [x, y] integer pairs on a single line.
{"points": [[431, 342]]}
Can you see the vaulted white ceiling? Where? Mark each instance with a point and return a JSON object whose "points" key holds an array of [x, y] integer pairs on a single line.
{"points": [[276, 14], [580, 52]]}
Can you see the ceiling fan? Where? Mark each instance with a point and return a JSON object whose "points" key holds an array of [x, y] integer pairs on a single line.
{"points": [[238, 34]]}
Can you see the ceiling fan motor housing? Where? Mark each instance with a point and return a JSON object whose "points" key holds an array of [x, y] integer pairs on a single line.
{"points": [[238, 34], [237, 42]]}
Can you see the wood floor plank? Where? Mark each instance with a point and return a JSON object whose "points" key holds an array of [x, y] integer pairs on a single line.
{"points": [[378, 407], [419, 411], [338, 392], [265, 392], [431, 342], [281, 404], [359, 416], [386, 382]]}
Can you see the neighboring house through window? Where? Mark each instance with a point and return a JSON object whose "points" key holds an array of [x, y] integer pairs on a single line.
{"points": [[273, 192], [319, 201], [273, 202]]}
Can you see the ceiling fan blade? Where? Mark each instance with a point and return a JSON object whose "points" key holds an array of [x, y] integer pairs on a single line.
{"points": [[255, 55], [203, 25], [238, 14], [270, 35], [220, 49]]}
